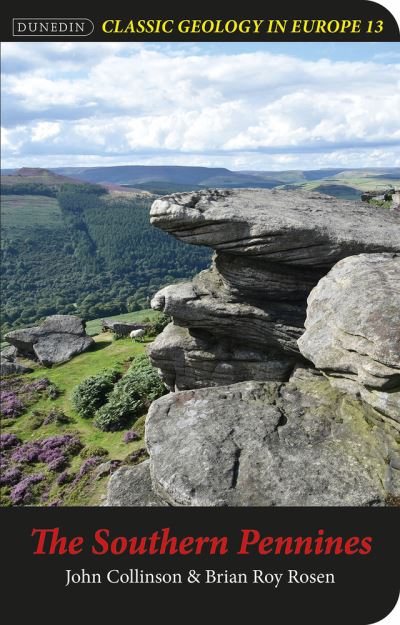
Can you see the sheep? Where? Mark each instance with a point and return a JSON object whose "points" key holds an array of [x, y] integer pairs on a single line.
{"points": [[137, 334]]}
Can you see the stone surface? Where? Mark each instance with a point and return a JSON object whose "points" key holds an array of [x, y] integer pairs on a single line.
{"points": [[186, 361], [246, 313], [253, 443], [131, 486], [353, 329], [257, 279], [121, 328], [274, 325], [56, 340], [8, 353], [291, 227], [9, 367]]}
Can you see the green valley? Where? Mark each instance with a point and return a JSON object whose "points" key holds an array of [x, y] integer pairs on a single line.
{"points": [[76, 247]]}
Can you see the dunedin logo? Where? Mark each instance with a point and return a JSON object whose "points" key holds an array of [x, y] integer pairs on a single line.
{"points": [[52, 27]]}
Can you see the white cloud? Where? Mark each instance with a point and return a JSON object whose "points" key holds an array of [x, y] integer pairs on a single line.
{"points": [[45, 130], [131, 103]]}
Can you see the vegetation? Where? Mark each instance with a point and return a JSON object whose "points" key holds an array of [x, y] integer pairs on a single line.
{"points": [[50, 452], [147, 315], [92, 393], [130, 397], [76, 248]]}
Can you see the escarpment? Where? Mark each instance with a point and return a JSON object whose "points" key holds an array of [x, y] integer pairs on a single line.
{"points": [[283, 358]]}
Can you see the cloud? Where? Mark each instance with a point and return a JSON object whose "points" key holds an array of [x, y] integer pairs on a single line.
{"points": [[130, 103]]}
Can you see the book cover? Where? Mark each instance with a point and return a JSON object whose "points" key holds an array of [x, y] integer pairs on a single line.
{"points": [[200, 332]]}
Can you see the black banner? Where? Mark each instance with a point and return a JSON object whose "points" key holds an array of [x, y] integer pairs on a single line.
{"points": [[356, 588], [359, 20]]}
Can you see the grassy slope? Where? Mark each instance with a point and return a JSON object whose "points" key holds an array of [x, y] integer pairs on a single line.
{"points": [[353, 180], [108, 353], [23, 212], [93, 327]]}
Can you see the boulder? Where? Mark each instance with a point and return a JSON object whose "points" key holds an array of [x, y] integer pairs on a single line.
{"points": [[56, 340], [8, 353], [131, 486], [121, 328], [353, 329], [10, 367], [265, 444]]}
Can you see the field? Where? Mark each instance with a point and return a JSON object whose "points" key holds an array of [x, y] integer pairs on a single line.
{"points": [[94, 327], [348, 185], [108, 353], [21, 213]]}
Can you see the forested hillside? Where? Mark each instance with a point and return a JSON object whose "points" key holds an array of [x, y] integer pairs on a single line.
{"points": [[69, 247]]}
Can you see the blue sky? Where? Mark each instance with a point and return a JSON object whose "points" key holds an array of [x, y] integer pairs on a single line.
{"points": [[238, 105]]}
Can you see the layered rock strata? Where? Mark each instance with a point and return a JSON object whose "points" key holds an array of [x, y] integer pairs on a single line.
{"points": [[250, 420], [245, 314]]}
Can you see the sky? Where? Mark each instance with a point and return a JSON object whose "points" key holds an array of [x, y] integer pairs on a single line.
{"points": [[245, 106]]}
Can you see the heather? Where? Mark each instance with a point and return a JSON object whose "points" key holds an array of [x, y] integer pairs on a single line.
{"points": [[130, 436], [50, 451], [53, 451], [16, 394]]}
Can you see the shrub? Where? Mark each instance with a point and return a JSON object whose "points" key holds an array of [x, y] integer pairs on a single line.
{"points": [[64, 478], [53, 451], [22, 492], [92, 451], [86, 467], [8, 440], [10, 477], [131, 436], [114, 415], [131, 396], [16, 394], [53, 391], [92, 393], [57, 416], [11, 405], [35, 422], [157, 326], [136, 456]]}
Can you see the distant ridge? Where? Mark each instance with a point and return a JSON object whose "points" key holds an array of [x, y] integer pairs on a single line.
{"points": [[165, 179], [38, 175], [145, 175]]}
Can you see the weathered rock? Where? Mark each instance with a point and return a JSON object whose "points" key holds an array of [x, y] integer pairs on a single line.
{"points": [[291, 227], [102, 470], [8, 353], [272, 248], [257, 279], [56, 340], [10, 367], [186, 361], [253, 443], [274, 325], [268, 441], [131, 486], [121, 328], [353, 329]]}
